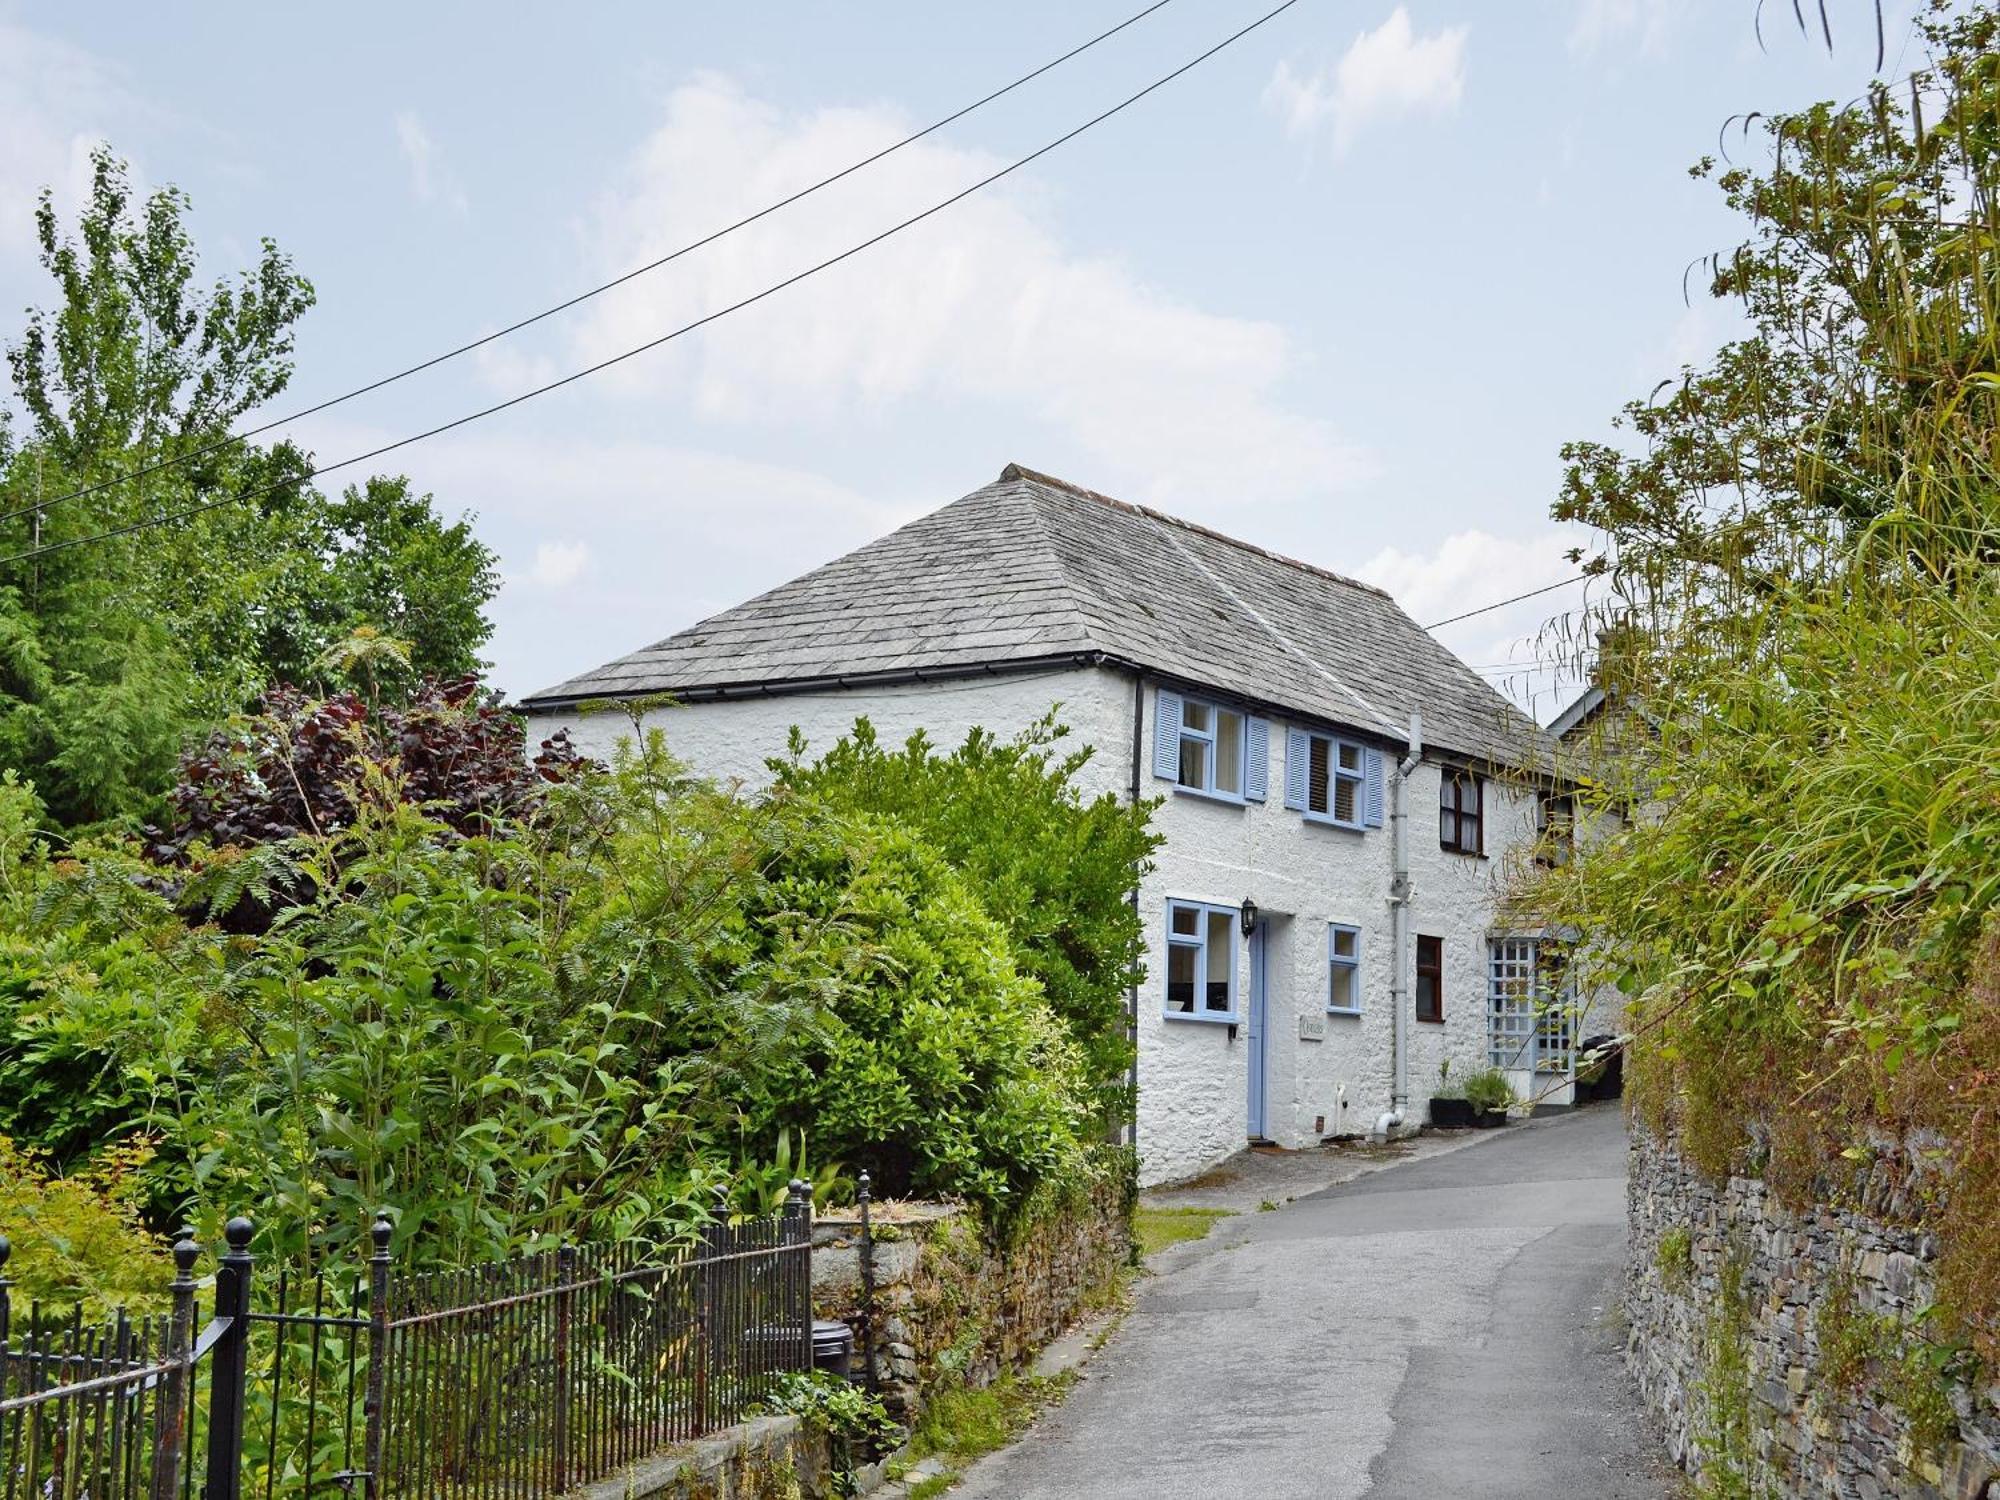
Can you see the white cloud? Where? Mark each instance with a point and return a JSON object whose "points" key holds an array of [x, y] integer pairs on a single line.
{"points": [[56, 102], [558, 564], [1528, 650], [1600, 23], [1386, 74], [430, 180], [982, 304]]}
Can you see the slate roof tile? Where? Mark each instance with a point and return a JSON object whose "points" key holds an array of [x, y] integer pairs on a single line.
{"points": [[1031, 567]]}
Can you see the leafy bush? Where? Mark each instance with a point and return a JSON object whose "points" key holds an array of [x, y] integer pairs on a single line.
{"points": [[78, 1245], [935, 1063], [1056, 869], [859, 1426], [295, 766], [572, 1013], [1488, 1090]]}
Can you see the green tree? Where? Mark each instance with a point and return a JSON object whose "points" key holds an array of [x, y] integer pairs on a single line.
{"points": [[112, 650], [1056, 868], [1800, 563]]}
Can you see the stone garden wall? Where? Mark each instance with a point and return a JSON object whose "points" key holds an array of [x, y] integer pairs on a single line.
{"points": [[1781, 1349], [952, 1307], [765, 1458]]}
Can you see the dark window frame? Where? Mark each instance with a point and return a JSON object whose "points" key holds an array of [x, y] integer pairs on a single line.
{"points": [[1555, 818], [1430, 967], [1461, 831]]}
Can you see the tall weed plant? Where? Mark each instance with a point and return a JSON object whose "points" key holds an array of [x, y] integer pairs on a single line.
{"points": [[1799, 636]]}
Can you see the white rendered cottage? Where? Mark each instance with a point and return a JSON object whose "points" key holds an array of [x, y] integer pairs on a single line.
{"points": [[1272, 704]]}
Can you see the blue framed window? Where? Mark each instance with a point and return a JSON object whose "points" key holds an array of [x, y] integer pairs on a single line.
{"points": [[1343, 964], [1201, 962], [1531, 1005], [1332, 780], [1210, 750]]}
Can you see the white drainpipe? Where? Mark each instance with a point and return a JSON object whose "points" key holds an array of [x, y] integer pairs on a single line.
{"points": [[1399, 933]]}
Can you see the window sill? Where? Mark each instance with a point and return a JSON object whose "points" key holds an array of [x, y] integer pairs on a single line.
{"points": [[1227, 799], [1478, 854], [1213, 1018], [1334, 1010], [1322, 820]]}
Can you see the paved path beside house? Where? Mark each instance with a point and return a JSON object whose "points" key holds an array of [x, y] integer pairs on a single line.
{"points": [[1445, 1328], [1271, 1174]]}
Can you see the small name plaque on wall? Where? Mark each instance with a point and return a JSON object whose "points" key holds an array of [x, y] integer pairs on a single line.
{"points": [[1312, 1027]]}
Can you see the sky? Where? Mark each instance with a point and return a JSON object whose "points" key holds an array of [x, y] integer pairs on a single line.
{"points": [[1343, 290]]}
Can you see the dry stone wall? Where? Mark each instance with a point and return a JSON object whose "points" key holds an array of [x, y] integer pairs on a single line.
{"points": [[1784, 1350], [952, 1307]]}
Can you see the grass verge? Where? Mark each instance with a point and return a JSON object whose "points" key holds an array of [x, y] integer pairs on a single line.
{"points": [[1157, 1228], [963, 1425]]}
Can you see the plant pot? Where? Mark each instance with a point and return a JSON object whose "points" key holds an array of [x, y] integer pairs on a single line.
{"points": [[1452, 1114], [1491, 1119]]}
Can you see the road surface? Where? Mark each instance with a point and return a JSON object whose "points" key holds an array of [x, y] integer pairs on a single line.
{"points": [[1440, 1329]]}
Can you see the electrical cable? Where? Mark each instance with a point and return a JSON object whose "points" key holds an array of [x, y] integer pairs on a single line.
{"points": [[604, 364], [1487, 609], [233, 439]]}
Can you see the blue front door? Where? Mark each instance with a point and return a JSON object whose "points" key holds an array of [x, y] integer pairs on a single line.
{"points": [[1254, 1032]]}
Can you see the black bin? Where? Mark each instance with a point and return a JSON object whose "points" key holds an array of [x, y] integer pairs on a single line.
{"points": [[833, 1347]]}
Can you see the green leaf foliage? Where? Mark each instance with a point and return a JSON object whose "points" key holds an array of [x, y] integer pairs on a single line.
{"points": [[935, 1064], [1801, 645], [574, 1010], [1057, 869], [133, 633]]}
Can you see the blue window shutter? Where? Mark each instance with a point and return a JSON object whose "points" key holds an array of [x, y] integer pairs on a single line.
{"points": [[1371, 770], [1167, 735], [1257, 773], [1298, 766]]}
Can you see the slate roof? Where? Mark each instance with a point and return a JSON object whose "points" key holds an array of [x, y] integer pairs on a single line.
{"points": [[1031, 570]]}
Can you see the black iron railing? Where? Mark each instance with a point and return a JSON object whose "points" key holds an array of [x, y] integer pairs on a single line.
{"points": [[524, 1378], [110, 1412]]}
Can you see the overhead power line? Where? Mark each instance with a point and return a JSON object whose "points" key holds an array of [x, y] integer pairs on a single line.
{"points": [[1487, 609], [604, 364], [235, 439]]}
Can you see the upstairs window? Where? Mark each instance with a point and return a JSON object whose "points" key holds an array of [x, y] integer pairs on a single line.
{"points": [[1332, 780], [1556, 822], [1343, 959], [1461, 813], [1206, 748], [1201, 961], [1211, 749], [1430, 977]]}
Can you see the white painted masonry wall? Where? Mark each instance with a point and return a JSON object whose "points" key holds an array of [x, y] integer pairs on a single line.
{"points": [[732, 738], [1326, 1074]]}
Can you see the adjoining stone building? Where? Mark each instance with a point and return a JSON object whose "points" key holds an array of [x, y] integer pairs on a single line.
{"points": [[1303, 980]]}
